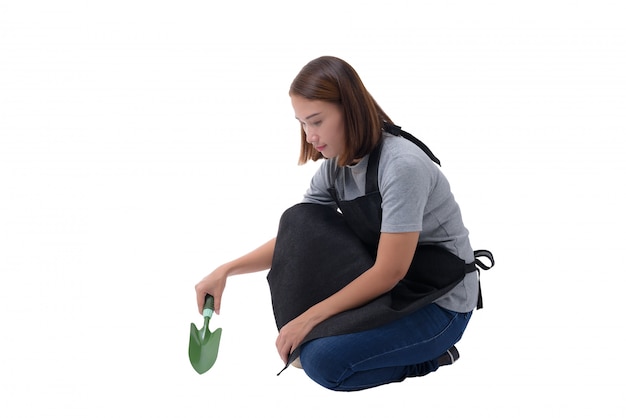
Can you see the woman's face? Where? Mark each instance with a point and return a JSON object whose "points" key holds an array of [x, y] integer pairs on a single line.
{"points": [[322, 123]]}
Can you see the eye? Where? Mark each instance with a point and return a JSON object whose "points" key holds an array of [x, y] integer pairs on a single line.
{"points": [[316, 124]]}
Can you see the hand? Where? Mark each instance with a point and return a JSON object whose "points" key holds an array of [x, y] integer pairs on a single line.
{"points": [[292, 334], [214, 285]]}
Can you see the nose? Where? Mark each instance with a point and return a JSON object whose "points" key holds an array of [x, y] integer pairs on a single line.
{"points": [[311, 135]]}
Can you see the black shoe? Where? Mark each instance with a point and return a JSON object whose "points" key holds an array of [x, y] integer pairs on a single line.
{"points": [[449, 357]]}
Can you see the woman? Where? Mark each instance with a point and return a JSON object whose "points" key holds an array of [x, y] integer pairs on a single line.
{"points": [[358, 304]]}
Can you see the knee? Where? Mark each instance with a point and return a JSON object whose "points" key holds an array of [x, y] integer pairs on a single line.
{"points": [[322, 366]]}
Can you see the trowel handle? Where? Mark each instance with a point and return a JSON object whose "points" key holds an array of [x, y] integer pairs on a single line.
{"points": [[209, 306]]}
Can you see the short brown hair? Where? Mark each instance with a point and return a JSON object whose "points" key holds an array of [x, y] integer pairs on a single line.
{"points": [[333, 80]]}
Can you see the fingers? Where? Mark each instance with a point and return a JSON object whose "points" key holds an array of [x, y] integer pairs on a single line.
{"points": [[201, 298], [202, 290], [200, 295], [286, 342], [213, 284], [217, 302], [284, 349]]}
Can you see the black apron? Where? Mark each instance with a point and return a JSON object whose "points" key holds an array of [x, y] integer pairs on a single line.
{"points": [[319, 250]]}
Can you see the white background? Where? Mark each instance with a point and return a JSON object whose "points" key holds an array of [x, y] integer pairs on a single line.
{"points": [[143, 143]]}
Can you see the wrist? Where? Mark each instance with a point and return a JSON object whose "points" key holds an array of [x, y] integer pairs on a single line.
{"points": [[316, 314]]}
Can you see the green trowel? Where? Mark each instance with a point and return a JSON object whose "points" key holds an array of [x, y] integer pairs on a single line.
{"points": [[203, 344]]}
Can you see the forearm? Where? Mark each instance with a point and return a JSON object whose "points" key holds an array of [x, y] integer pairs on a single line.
{"points": [[370, 285], [257, 260]]}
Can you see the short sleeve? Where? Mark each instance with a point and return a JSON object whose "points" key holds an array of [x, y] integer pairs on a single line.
{"points": [[320, 183], [405, 183]]}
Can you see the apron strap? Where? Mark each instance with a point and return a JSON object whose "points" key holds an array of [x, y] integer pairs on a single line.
{"points": [[397, 131], [371, 177], [475, 267]]}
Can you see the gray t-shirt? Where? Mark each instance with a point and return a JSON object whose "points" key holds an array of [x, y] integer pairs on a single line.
{"points": [[416, 196]]}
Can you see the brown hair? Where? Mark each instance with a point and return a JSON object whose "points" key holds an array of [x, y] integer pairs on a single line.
{"points": [[333, 80]]}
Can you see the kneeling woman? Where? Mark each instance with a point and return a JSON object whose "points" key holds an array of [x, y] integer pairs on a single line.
{"points": [[372, 276]]}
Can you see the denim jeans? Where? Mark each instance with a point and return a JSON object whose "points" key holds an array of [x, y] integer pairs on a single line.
{"points": [[406, 347]]}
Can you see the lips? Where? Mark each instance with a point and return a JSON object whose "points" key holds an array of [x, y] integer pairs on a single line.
{"points": [[320, 148]]}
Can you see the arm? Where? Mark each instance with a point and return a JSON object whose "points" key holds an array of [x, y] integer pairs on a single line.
{"points": [[214, 284], [395, 253]]}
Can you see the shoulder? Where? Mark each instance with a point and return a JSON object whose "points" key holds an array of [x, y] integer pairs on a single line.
{"points": [[400, 153]]}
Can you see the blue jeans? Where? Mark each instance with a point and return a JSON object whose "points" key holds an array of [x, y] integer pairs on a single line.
{"points": [[407, 347]]}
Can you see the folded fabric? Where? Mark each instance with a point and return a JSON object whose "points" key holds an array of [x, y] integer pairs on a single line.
{"points": [[317, 254]]}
